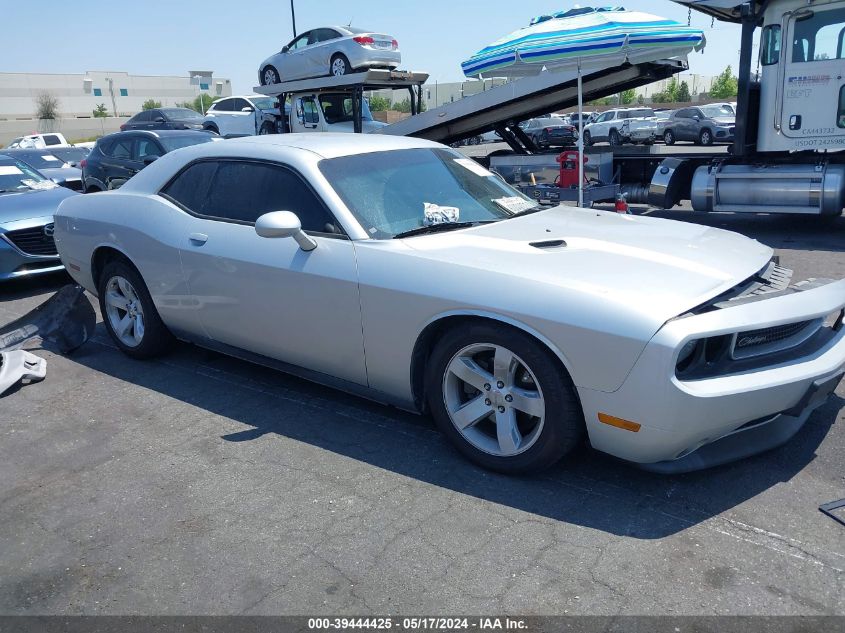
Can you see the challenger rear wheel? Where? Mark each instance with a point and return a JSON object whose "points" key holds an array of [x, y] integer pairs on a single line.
{"points": [[129, 314], [503, 399]]}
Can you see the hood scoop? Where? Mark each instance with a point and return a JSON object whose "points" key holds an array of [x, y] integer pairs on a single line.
{"points": [[548, 244]]}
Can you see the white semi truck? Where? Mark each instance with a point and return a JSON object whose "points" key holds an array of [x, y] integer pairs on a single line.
{"points": [[787, 156]]}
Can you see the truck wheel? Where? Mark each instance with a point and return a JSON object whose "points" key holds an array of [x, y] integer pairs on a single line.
{"points": [[267, 128], [669, 137], [269, 76], [588, 139], [339, 66], [705, 137], [614, 138]]}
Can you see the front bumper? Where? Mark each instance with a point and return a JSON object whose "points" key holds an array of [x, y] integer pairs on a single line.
{"points": [[693, 424], [16, 263]]}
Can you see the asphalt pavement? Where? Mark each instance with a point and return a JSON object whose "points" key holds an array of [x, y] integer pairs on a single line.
{"points": [[199, 484]]}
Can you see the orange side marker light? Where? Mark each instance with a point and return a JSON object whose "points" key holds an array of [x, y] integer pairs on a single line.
{"points": [[619, 422]]}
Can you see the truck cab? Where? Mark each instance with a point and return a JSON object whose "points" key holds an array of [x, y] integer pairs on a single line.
{"points": [[802, 61], [328, 112]]}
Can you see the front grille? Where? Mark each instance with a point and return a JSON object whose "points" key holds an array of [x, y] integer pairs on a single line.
{"points": [[33, 241], [768, 335]]}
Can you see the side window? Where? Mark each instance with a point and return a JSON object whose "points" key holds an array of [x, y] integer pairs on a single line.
{"points": [[224, 105], [141, 117], [682, 114], [770, 45], [147, 147], [157, 115], [325, 35], [300, 42], [121, 148], [242, 191], [818, 35], [309, 111], [239, 104], [840, 114], [190, 188]]}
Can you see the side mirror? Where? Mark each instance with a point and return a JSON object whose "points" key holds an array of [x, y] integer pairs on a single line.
{"points": [[696, 117], [159, 119], [285, 49], [284, 224], [247, 109], [149, 159]]}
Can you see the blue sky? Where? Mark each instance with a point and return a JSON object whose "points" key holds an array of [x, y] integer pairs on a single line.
{"points": [[159, 37]]}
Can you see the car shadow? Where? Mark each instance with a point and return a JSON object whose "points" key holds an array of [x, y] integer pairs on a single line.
{"points": [[26, 287], [589, 489]]}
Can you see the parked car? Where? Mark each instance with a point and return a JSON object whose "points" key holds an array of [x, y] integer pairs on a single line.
{"points": [[549, 131], [71, 155], [28, 201], [702, 125], [38, 141], [243, 115], [165, 119], [586, 115], [608, 125], [332, 51], [661, 117], [50, 166], [119, 156], [397, 268]]}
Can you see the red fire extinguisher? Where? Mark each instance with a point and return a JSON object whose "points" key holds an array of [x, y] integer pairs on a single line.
{"points": [[621, 203]]}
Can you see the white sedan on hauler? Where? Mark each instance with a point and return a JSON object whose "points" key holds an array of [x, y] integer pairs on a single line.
{"points": [[398, 269]]}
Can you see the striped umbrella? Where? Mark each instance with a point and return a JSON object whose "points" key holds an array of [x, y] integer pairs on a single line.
{"points": [[561, 39]]}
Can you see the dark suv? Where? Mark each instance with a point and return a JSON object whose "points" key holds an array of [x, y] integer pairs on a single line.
{"points": [[165, 119], [117, 157], [702, 125]]}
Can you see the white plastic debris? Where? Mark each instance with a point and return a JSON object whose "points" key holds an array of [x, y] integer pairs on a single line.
{"points": [[20, 365]]}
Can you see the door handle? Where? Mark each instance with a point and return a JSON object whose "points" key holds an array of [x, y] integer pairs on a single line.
{"points": [[198, 238]]}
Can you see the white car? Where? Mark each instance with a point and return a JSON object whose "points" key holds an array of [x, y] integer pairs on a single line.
{"points": [[38, 141], [611, 125], [399, 269], [243, 115]]}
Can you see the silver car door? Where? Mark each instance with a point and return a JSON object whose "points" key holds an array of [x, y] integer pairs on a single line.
{"points": [[294, 62], [263, 295]]}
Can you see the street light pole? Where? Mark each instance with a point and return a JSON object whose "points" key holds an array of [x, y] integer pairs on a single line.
{"points": [[293, 18]]}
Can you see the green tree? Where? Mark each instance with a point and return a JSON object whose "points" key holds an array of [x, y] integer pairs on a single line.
{"points": [[725, 85], [628, 96], [683, 95], [672, 91], [640, 99], [405, 106], [199, 104], [379, 104], [100, 111], [150, 104]]}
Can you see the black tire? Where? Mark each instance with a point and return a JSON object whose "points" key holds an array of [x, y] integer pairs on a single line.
{"points": [[669, 137], [269, 76], [339, 66], [705, 137], [93, 189], [156, 338], [614, 139], [267, 128], [588, 139], [563, 426]]}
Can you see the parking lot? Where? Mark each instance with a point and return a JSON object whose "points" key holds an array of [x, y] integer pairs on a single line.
{"points": [[203, 484]]}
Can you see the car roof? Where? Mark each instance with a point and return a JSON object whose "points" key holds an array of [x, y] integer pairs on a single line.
{"points": [[153, 133], [329, 144]]}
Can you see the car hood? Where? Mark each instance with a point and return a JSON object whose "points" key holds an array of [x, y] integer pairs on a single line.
{"points": [[724, 121], [659, 268], [348, 126], [31, 204], [62, 173]]}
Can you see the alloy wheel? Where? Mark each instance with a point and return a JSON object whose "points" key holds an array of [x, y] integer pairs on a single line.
{"points": [[493, 399], [339, 67], [124, 311]]}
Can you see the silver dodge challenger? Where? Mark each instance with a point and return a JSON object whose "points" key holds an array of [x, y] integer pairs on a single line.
{"points": [[397, 269]]}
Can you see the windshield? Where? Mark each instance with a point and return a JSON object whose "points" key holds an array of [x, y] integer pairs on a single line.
{"points": [[16, 176], [180, 113], [397, 191], [714, 111], [176, 142], [337, 108], [266, 103]]}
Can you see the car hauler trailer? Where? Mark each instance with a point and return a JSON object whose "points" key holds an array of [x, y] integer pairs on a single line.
{"points": [[306, 108], [790, 123]]}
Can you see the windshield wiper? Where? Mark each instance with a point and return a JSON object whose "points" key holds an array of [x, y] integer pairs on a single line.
{"points": [[437, 228]]}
